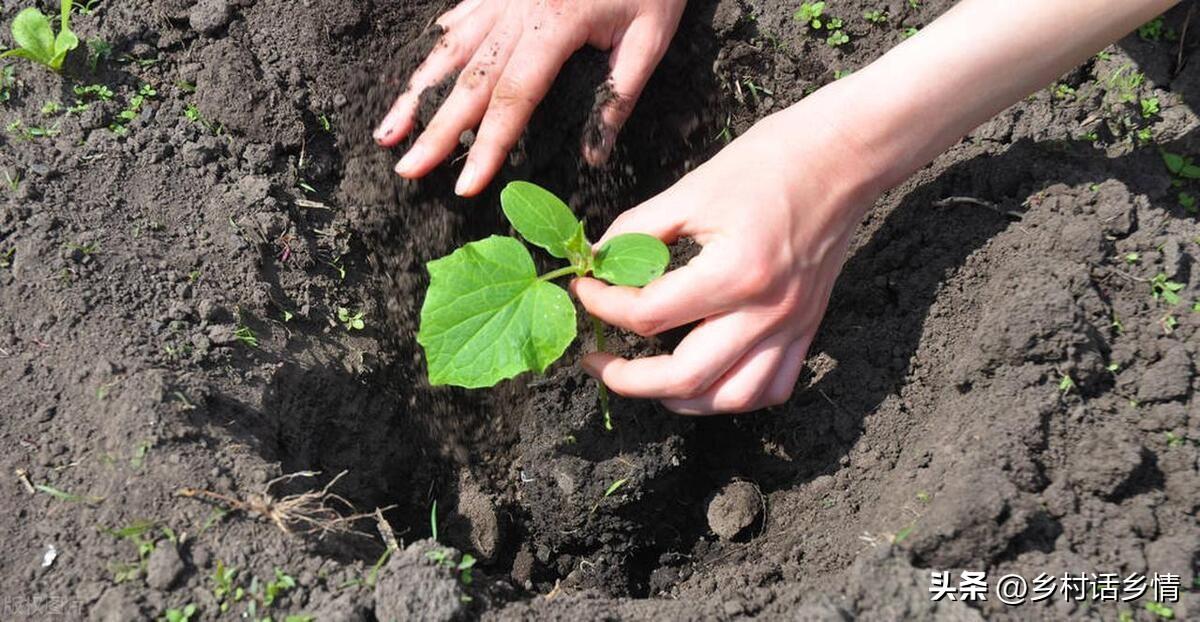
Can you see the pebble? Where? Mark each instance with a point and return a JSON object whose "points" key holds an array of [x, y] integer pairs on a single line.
{"points": [[733, 509], [209, 16], [164, 566]]}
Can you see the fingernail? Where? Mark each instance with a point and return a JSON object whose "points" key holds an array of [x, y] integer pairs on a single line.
{"points": [[411, 160], [466, 181], [380, 134]]}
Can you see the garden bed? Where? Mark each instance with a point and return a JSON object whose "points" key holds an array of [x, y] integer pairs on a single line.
{"points": [[1000, 383]]}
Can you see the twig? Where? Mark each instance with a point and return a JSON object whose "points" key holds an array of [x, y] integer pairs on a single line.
{"points": [[385, 531], [23, 476], [948, 201]]}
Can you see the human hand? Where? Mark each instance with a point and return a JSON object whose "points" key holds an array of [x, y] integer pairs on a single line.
{"points": [[774, 218], [509, 52]]}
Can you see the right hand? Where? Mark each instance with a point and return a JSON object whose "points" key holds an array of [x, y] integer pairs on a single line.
{"points": [[508, 53]]}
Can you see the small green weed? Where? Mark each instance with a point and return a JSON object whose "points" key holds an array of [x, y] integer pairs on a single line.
{"points": [[180, 615], [1149, 107], [875, 17], [1151, 30], [351, 321], [1162, 288], [810, 13], [1181, 166]]}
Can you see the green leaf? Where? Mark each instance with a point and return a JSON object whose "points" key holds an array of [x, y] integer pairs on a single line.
{"points": [[32, 33], [539, 216], [632, 259], [488, 317], [1174, 162]]}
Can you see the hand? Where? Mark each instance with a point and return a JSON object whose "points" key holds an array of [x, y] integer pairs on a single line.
{"points": [[509, 52], [774, 217]]}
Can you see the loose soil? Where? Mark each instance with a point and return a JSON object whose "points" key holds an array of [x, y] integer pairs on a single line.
{"points": [[994, 388]]}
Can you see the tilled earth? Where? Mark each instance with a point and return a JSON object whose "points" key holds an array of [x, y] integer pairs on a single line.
{"points": [[1004, 381]]}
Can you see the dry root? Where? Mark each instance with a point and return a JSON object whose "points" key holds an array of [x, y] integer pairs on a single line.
{"points": [[305, 513]]}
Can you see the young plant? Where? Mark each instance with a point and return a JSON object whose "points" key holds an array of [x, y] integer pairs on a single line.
{"points": [[488, 314], [36, 41], [180, 615], [1151, 30], [837, 38], [875, 16], [7, 82], [1188, 202], [352, 321], [810, 13], [1181, 166], [1165, 289], [1150, 107]]}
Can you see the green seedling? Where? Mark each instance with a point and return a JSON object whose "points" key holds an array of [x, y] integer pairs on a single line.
{"points": [[94, 91], [88, 7], [246, 335], [31, 132], [326, 124], [1181, 166], [51, 108], [1195, 305], [811, 13], [63, 495], [1066, 383], [1165, 289], [140, 535], [1133, 257], [1151, 30], [98, 50], [923, 497], [352, 321], [224, 590], [1160, 610], [120, 125], [909, 31], [1188, 202], [6, 258], [13, 180], [875, 17], [180, 615], [36, 41], [1149, 107], [914, 4], [488, 314], [1064, 91], [1126, 84], [838, 74], [837, 38], [274, 589], [7, 82], [903, 534]]}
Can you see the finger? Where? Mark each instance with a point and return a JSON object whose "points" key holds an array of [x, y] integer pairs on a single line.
{"points": [[520, 87], [633, 60], [454, 16], [464, 107], [662, 217], [781, 388], [699, 360], [705, 287], [449, 55], [742, 387]]}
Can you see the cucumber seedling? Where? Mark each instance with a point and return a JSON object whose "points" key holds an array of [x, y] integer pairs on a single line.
{"points": [[488, 314], [36, 41]]}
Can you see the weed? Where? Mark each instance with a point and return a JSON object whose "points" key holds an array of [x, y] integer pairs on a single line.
{"points": [[1162, 288], [540, 316], [1160, 610], [1187, 201], [810, 13], [180, 615], [1063, 91], [140, 535], [1151, 30], [875, 17], [1126, 84], [352, 321], [1181, 166], [98, 50], [7, 82], [246, 335], [31, 132], [1066, 383], [1149, 107], [273, 589], [35, 38], [120, 126]]}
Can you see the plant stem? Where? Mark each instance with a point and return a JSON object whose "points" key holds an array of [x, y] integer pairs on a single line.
{"points": [[561, 272], [598, 328]]}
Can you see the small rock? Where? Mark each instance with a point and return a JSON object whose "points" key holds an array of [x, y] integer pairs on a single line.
{"points": [[1168, 378], [209, 16], [733, 509], [164, 566], [115, 606], [222, 334]]}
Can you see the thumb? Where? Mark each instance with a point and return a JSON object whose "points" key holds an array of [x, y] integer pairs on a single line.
{"points": [[661, 217]]}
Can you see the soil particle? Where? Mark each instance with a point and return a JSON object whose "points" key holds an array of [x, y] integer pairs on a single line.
{"points": [[115, 606], [1167, 379], [1108, 457], [413, 587], [210, 16], [733, 509], [163, 567]]}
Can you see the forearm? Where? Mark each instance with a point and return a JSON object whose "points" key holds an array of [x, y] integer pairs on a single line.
{"points": [[976, 60]]}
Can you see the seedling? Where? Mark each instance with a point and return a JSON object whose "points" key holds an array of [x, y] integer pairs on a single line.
{"points": [[35, 38], [274, 589], [837, 39], [140, 535], [610, 491], [95, 91], [1188, 202], [1149, 107], [489, 316], [6, 257], [875, 17], [352, 321], [131, 111], [1126, 84], [1064, 91], [7, 82], [224, 590], [246, 335], [909, 31], [1151, 30], [1132, 257], [98, 50], [810, 13], [1181, 166], [13, 180], [180, 615], [1160, 610], [1066, 383], [1165, 289]]}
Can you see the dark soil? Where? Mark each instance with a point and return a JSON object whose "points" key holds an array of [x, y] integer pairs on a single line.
{"points": [[933, 430]]}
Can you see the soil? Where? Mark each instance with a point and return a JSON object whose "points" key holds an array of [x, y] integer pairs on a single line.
{"points": [[994, 387]]}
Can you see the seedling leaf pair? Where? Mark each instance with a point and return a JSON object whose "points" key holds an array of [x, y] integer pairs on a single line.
{"points": [[35, 38], [489, 316]]}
